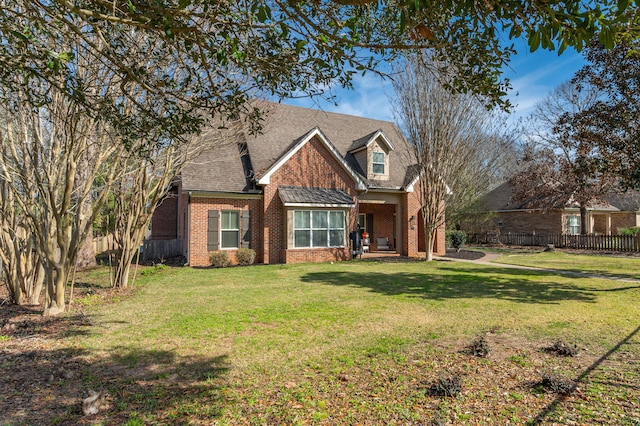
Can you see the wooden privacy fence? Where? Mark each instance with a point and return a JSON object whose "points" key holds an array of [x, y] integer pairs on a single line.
{"points": [[161, 249], [584, 242], [102, 244], [151, 249]]}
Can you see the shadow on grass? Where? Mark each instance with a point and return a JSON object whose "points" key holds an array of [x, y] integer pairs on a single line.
{"points": [[44, 377], [47, 386], [557, 403], [460, 282]]}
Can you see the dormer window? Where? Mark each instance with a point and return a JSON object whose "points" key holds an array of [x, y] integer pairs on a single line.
{"points": [[372, 153], [378, 163]]}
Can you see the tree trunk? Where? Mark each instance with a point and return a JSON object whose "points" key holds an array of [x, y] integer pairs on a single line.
{"points": [[428, 244], [55, 298], [24, 273], [122, 268], [33, 296], [583, 219], [86, 256], [86, 253]]}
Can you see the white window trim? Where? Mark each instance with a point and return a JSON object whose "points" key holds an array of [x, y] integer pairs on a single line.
{"points": [[311, 229], [374, 163], [237, 212], [570, 226]]}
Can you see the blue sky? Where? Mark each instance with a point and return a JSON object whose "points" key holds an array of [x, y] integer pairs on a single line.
{"points": [[532, 76]]}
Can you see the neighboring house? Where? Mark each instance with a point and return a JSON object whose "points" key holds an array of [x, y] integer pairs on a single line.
{"points": [[615, 211], [296, 191]]}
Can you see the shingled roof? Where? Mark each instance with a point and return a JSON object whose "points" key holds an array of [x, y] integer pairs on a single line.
{"points": [[501, 199], [296, 195], [221, 168]]}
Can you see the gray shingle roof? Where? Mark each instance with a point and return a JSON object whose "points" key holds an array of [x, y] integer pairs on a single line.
{"points": [[220, 168], [302, 195], [501, 199]]}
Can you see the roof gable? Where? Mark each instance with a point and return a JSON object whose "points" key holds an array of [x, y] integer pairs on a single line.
{"points": [[265, 178], [221, 169], [366, 141]]}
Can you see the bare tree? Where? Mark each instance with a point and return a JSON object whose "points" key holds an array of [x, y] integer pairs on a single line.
{"points": [[489, 163], [39, 160], [455, 140], [21, 262], [148, 172], [560, 166]]}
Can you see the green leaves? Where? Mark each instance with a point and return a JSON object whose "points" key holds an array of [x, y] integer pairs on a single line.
{"points": [[56, 60], [534, 40], [606, 37]]}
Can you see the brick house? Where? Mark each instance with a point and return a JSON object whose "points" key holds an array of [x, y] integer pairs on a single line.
{"points": [[296, 191], [606, 217]]}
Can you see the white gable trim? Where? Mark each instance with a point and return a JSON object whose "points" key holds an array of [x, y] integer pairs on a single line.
{"points": [[266, 178], [411, 186], [379, 134]]}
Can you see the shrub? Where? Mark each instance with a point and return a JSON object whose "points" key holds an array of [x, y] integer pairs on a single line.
{"points": [[561, 348], [479, 347], [456, 238], [219, 259], [557, 384], [448, 385], [634, 230], [246, 256]]}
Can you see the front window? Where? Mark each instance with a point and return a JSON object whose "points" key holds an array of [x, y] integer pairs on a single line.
{"points": [[573, 225], [378, 163], [230, 229], [318, 228]]}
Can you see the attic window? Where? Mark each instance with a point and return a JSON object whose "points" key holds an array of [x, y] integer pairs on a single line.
{"points": [[378, 163]]}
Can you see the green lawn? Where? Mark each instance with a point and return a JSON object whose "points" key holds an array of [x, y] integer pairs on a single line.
{"points": [[342, 344], [618, 266]]}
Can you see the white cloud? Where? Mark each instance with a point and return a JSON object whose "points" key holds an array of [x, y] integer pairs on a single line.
{"points": [[368, 99], [535, 75], [532, 76]]}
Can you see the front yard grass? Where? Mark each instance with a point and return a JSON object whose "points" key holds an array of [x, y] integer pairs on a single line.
{"points": [[352, 343], [607, 265]]}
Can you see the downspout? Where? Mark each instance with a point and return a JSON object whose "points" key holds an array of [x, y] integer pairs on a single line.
{"points": [[188, 233]]}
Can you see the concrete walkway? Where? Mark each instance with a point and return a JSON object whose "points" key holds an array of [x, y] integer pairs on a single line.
{"points": [[490, 257]]}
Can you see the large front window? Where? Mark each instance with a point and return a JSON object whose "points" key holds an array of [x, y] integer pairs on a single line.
{"points": [[230, 228], [318, 228]]}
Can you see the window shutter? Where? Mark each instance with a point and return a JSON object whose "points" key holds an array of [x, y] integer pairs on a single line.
{"points": [[245, 228], [212, 230], [370, 226]]}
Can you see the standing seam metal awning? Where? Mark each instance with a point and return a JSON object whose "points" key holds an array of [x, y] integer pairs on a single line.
{"points": [[298, 196]]}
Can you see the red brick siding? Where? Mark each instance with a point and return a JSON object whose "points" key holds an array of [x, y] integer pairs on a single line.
{"points": [[312, 166], [164, 222], [183, 204], [415, 239], [622, 220], [528, 222], [383, 216], [199, 208], [599, 224], [439, 243], [411, 207], [316, 255]]}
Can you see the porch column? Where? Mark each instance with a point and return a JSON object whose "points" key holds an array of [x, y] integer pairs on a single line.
{"points": [[399, 232]]}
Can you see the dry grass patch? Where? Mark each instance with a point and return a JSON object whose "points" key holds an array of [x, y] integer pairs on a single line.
{"points": [[348, 343]]}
